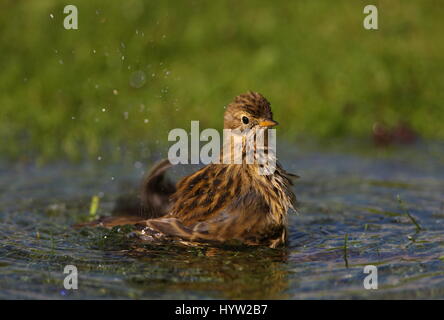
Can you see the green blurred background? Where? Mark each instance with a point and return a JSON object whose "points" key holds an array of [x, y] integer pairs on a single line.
{"points": [[136, 69]]}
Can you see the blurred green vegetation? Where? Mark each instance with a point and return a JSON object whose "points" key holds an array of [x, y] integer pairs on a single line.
{"points": [[136, 69]]}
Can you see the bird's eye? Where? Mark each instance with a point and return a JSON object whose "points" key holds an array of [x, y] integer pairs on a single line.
{"points": [[245, 120]]}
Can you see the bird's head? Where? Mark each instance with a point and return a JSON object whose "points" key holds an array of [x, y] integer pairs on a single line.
{"points": [[249, 111]]}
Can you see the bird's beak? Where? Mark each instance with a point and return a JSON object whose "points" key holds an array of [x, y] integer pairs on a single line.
{"points": [[268, 123]]}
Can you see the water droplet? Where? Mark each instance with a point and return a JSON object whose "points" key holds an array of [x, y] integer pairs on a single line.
{"points": [[137, 79]]}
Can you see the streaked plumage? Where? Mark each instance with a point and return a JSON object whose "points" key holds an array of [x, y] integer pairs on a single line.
{"points": [[221, 202]]}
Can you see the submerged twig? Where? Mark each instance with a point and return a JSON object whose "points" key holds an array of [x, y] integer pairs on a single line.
{"points": [[93, 208], [418, 227], [345, 250], [407, 213]]}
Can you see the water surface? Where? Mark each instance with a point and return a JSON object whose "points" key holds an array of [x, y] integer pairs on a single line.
{"points": [[382, 208]]}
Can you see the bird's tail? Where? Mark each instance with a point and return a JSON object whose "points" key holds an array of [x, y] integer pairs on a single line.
{"points": [[156, 191], [151, 202], [153, 198]]}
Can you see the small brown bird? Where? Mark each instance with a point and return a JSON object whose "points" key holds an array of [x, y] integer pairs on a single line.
{"points": [[221, 202]]}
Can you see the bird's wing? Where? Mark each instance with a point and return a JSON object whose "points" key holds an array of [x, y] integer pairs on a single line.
{"points": [[234, 226], [173, 228], [204, 194]]}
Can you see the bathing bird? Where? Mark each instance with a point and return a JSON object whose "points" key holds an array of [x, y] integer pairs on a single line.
{"points": [[229, 201]]}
